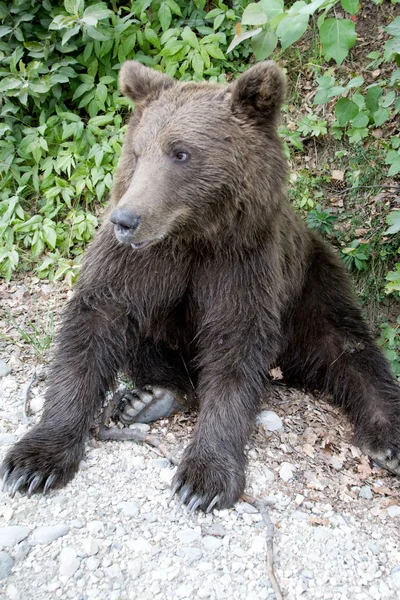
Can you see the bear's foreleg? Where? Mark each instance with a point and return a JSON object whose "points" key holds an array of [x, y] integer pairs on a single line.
{"points": [[90, 349]]}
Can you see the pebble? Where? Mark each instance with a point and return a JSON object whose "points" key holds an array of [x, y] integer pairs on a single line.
{"points": [[393, 511], [92, 563], [286, 471], [6, 439], [6, 564], [366, 492], [12, 535], [129, 509], [95, 527], [187, 536], [45, 535], [12, 592], [90, 546], [270, 420], [258, 545], [167, 474], [395, 574], [211, 542], [69, 562], [37, 404], [5, 369]]}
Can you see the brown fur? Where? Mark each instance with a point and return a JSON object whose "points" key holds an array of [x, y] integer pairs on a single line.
{"points": [[230, 282]]}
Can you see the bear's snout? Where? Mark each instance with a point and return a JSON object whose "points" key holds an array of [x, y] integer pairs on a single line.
{"points": [[126, 223]]}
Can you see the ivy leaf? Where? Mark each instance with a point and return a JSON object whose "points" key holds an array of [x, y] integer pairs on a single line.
{"points": [[337, 37], [346, 110], [263, 44], [350, 6], [253, 14], [291, 28]]}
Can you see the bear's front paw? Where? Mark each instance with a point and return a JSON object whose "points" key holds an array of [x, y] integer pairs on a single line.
{"points": [[39, 462], [208, 481]]}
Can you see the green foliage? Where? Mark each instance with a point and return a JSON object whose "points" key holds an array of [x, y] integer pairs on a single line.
{"points": [[276, 22], [390, 343], [61, 126], [321, 220], [38, 335]]}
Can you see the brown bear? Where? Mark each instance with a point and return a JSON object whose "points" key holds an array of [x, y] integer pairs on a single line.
{"points": [[200, 281]]}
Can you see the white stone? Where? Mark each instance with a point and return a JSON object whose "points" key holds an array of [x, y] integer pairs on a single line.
{"points": [[186, 536], [129, 509], [210, 542], [92, 563], [36, 404], [270, 420], [12, 592], [45, 535], [95, 527], [167, 474], [258, 545], [6, 439], [6, 564], [12, 535], [5, 369], [393, 511], [69, 562], [286, 471], [90, 546]]}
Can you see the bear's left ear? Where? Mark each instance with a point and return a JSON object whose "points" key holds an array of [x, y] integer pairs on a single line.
{"points": [[260, 91], [139, 82]]}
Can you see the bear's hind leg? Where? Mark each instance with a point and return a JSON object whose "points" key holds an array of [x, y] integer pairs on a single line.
{"points": [[330, 349], [164, 385]]}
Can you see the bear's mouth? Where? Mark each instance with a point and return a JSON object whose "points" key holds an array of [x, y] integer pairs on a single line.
{"points": [[140, 245]]}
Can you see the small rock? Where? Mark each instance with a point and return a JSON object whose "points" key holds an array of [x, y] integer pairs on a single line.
{"points": [[133, 568], [6, 564], [395, 573], [92, 563], [90, 546], [167, 474], [142, 545], [186, 536], [141, 426], [129, 509], [211, 542], [214, 529], [12, 592], [270, 420], [22, 550], [286, 471], [12, 535], [95, 527], [45, 535], [366, 492], [5, 369], [36, 404], [6, 439], [258, 545], [393, 511], [161, 463], [69, 562], [190, 553]]}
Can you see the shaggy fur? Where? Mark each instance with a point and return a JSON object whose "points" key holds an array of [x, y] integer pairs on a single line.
{"points": [[215, 275]]}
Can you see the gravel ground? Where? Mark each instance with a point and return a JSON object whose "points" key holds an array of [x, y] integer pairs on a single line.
{"points": [[111, 535]]}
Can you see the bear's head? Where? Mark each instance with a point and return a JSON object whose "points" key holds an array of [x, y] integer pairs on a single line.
{"points": [[201, 161]]}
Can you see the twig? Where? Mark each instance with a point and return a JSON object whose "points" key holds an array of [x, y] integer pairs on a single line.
{"points": [[367, 187], [262, 508], [26, 393]]}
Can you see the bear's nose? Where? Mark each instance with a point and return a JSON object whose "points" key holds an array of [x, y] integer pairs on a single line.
{"points": [[125, 218]]}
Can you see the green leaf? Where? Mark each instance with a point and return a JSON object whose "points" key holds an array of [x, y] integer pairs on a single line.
{"points": [[152, 37], [263, 44], [190, 37], [393, 219], [253, 14], [337, 37], [372, 97], [81, 89], [272, 8], [69, 34], [242, 36], [350, 6], [290, 29], [355, 82], [309, 9], [4, 31], [101, 120], [361, 120], [101, 93], [10, 83], [198, 64], [380, 116], [98, 11], [50, 236], [214, 51], [174, 7], [346, 110], [74, 7], [164, 15], [394, 27]]}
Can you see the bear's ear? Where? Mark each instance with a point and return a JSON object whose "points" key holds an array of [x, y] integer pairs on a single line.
{"points": [[260, 91], [138, 82]]}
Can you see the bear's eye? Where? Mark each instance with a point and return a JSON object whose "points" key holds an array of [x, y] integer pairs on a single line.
{"points": [[182, 156]]}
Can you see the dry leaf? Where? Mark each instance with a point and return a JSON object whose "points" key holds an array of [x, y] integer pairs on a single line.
{"points": [[338, 175], [309, 450], [384, 491], [319, 521], [364, 468]]}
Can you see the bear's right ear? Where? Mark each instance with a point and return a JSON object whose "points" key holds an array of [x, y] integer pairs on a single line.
{"points": [[260, 91], [138, 82]]}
